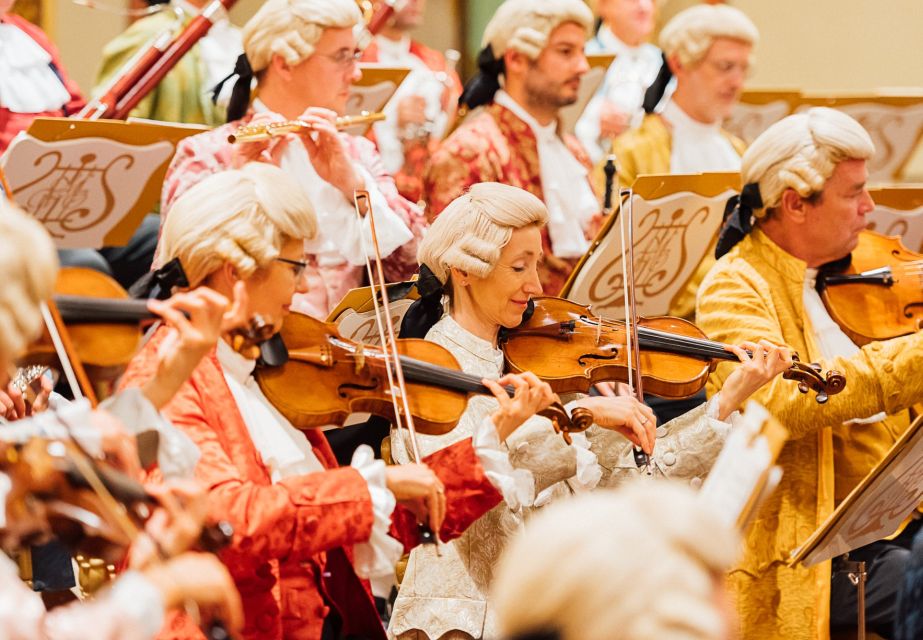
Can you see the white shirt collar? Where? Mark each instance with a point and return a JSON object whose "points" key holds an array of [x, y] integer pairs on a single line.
{"points": [[675, 115], [234, 364], [393, 49], [613, 44]]}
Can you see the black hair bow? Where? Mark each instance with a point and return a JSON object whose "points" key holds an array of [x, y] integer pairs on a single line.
{"points": [[159, 284], [738, 217], [426, 311], [658, 88], [482, 88], [240, 94]]}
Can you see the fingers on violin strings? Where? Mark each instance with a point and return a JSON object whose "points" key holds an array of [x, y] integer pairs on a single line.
{"points": [[499, 392]]}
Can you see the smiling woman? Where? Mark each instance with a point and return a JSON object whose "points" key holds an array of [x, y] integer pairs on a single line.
{"points": [[482, 255]]}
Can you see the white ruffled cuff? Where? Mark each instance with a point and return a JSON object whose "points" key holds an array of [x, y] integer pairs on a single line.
{"points": [[517, 486], [376, 558], [589, 473], [140, 601], [720, 427]]}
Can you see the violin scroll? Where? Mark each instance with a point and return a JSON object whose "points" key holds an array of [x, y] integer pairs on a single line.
{"points": [[578, 420], [810, 377]]}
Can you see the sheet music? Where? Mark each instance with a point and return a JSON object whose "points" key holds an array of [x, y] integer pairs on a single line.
{"points": [[875, 508], [743, 475]]}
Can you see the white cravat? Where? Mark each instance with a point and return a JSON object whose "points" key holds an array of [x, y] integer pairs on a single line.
{"points": [[283, 448], [341, 238], [830, 339], [27, 82], [698, 147], [570, 199]]}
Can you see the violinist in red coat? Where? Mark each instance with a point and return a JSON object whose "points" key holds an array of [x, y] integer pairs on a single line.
{"points": [[307, 533]]}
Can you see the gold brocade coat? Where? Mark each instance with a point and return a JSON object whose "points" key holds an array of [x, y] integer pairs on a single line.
{"points": [[647, 150], [757, 291]]}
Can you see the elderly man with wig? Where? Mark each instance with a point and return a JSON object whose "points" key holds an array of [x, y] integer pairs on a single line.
{"points": [[535, 47], [804, 204], [303, 56], [707, 49]]}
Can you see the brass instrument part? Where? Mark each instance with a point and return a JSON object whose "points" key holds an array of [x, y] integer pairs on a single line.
{"points": [[255, 133]]}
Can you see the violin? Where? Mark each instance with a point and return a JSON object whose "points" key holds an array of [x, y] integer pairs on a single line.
{"points": [[569, 347], [326, 377], [105, 325], [877, 292]]}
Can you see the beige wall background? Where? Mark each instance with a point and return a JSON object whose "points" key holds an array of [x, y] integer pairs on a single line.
{"points": [[824, 45]]}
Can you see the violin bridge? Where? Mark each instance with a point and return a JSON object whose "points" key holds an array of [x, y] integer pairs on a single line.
{"points": [[360, 358]]}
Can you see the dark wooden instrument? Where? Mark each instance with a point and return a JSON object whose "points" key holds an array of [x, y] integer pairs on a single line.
{"points": [[878, 293], [569, 347], [327, 377]]}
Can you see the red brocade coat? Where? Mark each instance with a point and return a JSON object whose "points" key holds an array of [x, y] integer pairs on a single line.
{"points": [[291, 553], [495, 145], [12, 123]]}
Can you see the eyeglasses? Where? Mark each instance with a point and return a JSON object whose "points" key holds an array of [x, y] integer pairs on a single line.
{"points": [[299, 266], [344, 58]]}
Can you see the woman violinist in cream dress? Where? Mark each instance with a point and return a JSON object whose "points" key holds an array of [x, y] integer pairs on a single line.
{"points": [[479, 270]]}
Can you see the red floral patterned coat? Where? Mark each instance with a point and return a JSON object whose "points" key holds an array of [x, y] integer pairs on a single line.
{"points": [[290, 556], [495, 145], [12, 123]]}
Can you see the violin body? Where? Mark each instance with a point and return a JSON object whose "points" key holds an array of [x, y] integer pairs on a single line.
{"points": [[880, 294], [328, 377], [102, 341], [560, 344], [569, 347]]}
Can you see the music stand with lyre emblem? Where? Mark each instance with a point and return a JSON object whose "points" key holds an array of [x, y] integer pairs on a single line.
{"points": [[90, 182], [372, 92], [899, 212], [589, 85], [757, 110], [895, 123], [676, 223]]}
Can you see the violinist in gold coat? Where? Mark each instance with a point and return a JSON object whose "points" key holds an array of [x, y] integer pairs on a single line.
{"points": [[805, 183]]}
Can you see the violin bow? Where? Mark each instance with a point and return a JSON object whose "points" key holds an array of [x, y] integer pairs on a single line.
{"points": [[632, 346], [388, 337]]}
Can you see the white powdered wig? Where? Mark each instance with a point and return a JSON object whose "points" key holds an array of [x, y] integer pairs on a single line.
{"points": [[291, 28], [641, 562], [242, 216], [801, 152], [472, 231], [690, 33], [29, 264], [524, 25]]}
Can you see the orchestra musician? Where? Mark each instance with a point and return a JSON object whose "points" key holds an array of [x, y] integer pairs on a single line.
{"points": [[708, 49], [624, 28], [535, 48], [135, 606], [306, 529], [482, 253], [184, 95], [422, 108], [303, 55], [805, 186]]}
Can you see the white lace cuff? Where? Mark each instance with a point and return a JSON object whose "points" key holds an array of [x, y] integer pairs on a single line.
{"points": [[720, 427], [138, 600], [517, 486], [375, 559], [589, 473]]}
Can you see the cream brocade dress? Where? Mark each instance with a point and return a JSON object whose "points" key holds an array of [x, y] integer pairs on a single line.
{"points": [[445, 596]]}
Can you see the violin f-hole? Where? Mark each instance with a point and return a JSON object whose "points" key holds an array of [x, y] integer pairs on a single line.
{"points": [[612, 355]]}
